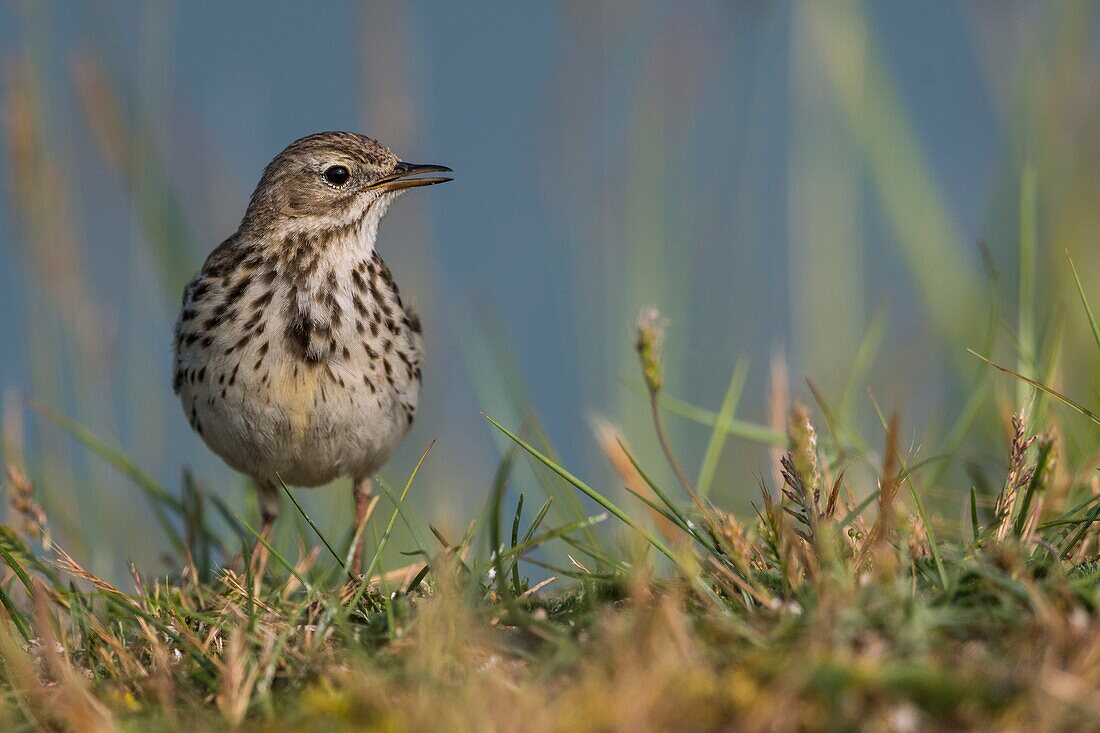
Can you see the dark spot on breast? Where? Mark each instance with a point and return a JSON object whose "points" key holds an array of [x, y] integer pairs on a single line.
{"points": [[299, 332], [239, 289], [384, 272], [240, 343], [223, 311], [336, 378], [263, 300], [310, 267]]}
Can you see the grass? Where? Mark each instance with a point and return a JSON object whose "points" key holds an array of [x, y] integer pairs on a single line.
{"points": [[835, 606]]}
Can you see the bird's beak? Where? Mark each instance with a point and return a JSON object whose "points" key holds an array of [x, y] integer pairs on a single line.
{"points": [[402, 177]]}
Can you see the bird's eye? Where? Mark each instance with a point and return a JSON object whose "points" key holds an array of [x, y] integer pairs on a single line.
{"points": [[337, 175]]}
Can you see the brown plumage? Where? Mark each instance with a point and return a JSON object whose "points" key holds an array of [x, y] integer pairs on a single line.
{"points": [[295, 357]]}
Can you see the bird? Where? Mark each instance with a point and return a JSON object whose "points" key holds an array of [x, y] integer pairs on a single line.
{"points": [[295, 358]]}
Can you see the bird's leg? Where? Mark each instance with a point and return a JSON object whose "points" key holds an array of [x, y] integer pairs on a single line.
{"points": [[269, 512], [362, 492]]}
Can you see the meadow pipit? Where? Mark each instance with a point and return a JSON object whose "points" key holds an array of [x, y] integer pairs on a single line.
{"points": [[295, 358]]}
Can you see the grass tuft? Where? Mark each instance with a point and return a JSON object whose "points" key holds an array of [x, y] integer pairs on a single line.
{"points": [[842, 601]]}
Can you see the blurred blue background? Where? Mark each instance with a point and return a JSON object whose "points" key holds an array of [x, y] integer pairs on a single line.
{"points": [[816, 180]]}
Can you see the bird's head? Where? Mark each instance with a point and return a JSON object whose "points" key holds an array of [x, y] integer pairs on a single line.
{"points": [[331, 181]]}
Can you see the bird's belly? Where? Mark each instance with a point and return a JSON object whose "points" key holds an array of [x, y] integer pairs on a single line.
{"points": [[306, 424]]}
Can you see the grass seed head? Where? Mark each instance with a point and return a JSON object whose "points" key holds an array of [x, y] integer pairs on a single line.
{"points": [[803, 447], [651, 335], [23, 502]]}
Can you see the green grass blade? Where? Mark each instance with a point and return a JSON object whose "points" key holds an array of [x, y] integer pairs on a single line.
{"points": [[865, 356], [965, 420], [496, 548], [1025, 334], [660, 511], [515, 540], [540, 517], [933, 545], [974, 513], [737, 428], [586, 490], [1079, 535], [381, 546], [1032, 487], [679, 518], [18, 569], [1085, 302], [403, 513], [718, 435], [15, 615], [541, 539], [313, 526], [1042, 387], [279, 558], [1067, 516], [158, 496], [858, 509]]}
